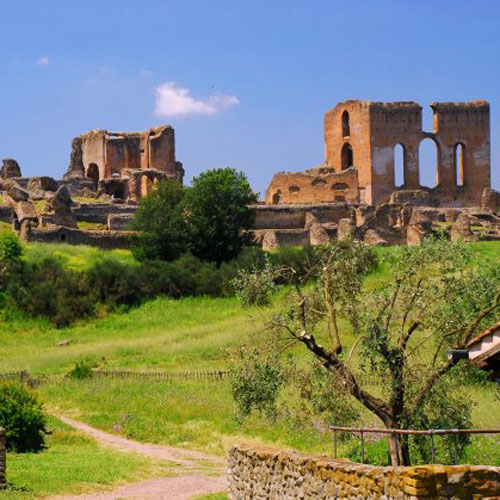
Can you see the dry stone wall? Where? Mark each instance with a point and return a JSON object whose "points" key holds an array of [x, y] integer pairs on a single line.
{"points": [[3, 455], [265, 473]]}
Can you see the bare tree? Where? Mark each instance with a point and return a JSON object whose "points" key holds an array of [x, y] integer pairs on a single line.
{"points": [[431, 298]]}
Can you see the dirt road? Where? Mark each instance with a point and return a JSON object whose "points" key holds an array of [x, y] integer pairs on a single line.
{"points": [[194, 473]]}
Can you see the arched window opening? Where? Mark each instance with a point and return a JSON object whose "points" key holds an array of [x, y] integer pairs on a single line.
{"points": [[294, 189], [399, 165], [428, 153], [347, 156], [318, 182], [93, 172], [346, 127], [277, 197], [459, 155]]}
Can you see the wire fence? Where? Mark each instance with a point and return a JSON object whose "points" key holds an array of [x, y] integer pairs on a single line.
{"points": [[431, 433]]}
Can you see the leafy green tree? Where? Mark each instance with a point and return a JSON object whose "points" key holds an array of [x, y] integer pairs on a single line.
{"points": [[161, 223], [218, 213], [433, 299], [23, 418]]}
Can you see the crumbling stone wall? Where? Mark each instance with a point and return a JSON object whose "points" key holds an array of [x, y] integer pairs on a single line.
{"points": [[317, 185], [265, 473], [3, 457]]}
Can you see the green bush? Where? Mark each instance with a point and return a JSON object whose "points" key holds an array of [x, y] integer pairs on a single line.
{"points": [[10, 248], [81, 371], [23, 418]]}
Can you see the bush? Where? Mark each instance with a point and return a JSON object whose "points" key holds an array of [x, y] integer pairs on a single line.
{"points": [[23, 418], [81, 371], [10, 248]]}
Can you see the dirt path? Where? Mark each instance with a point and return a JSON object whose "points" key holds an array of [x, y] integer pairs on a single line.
{"points": [[196, 473]]}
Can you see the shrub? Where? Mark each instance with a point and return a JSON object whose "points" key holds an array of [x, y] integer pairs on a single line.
{"points": [[10, 248], [23, 418], [81, 370]]}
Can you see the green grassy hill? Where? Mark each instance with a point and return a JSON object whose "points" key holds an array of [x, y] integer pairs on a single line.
{"points": [[190, 334]]}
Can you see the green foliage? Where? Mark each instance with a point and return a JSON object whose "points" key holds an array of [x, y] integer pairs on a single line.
{"points": [[256, 381], [10, 248], [23, 418], [255, 286], [81, 370], [218, 213], [329, 400], [161, 222]]}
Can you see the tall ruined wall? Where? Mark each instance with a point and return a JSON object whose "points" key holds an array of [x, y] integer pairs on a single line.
{"points": [[468, 125], [94, 151], [392, 124], [338, 138], [319, 185], [267, 473]]}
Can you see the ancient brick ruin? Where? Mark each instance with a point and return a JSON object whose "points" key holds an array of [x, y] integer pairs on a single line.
{"points": [[356, 192], [360, 142], [124, 164], [108, 173]]}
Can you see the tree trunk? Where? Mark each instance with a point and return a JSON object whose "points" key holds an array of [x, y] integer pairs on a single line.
{"points": [[398, 450]]}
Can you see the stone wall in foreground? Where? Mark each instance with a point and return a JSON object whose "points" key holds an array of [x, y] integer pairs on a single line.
{"points": [[265, 473], [3, 454]]}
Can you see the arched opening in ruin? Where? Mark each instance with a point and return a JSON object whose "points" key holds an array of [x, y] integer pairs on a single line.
{"points": [[277, 197], [93, 172], [459, 156], [346, 127], [428, 161], [318, 182], [145, 185], [347, 156], [294, 189], [399, 165]]}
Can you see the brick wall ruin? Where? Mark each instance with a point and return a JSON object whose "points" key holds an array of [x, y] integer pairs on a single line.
{"points": [[124, 164], [263, 473], [361, 136]]}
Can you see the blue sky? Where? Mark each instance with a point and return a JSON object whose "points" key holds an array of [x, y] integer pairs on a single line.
{"points": [[248, 82]]}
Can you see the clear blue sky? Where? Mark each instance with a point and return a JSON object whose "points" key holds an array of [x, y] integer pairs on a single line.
{"points": [[274, 68]]}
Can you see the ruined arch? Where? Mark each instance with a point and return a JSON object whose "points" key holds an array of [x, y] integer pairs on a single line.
{"points": [[428, 161], [346, 126], [93, 172], [277, 197], [459, 157], [399, 165], [347, 156]]}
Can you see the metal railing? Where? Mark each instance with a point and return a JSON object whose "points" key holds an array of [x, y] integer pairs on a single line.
{"points": [[412, 432]]}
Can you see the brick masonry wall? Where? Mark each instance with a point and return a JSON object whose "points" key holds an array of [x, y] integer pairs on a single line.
{"points": [[265, 473], [3, 454]]}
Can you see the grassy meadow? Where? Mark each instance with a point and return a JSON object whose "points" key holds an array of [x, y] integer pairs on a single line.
{"points": [[189, 334]]}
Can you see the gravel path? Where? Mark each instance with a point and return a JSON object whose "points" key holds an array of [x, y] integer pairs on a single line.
{"points": [[196, 473]]}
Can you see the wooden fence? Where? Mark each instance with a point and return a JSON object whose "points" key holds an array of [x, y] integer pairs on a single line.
{"points": [[213, 376]]}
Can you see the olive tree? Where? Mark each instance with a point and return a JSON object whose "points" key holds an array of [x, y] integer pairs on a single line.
{"points": [[431, 298]]}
